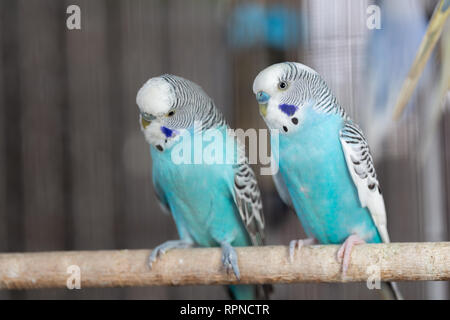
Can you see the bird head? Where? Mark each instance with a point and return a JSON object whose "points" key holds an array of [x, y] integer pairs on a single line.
{"points": [[283, 92], [168, 105]]}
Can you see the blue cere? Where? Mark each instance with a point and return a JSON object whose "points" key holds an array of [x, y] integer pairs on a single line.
{"points": [[262, 97]]}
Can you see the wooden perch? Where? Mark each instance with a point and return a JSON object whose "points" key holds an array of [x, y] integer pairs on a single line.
{"points": [[396, 261]]}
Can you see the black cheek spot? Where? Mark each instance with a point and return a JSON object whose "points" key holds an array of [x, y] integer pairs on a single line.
{"points": [[294, 120], [372, 186], [379, 189], [165, 141], [159, 147], [285, 129]]}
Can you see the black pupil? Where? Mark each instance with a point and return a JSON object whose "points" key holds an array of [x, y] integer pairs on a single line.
{"points": [[282, 85], [170, 113]]}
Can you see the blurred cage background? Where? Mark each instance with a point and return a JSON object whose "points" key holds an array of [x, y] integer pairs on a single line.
{"points": [[75, 170]]}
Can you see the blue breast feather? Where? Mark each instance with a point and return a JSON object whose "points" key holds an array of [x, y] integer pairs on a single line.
{"points": [[313, 167], [200, 199]]}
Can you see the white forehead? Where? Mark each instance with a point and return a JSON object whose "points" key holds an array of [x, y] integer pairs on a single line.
{"points": [[155, 96], [269, 77]]}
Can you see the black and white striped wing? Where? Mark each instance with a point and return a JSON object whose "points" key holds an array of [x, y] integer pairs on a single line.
{"points": [[362, 170], [248, 200]]}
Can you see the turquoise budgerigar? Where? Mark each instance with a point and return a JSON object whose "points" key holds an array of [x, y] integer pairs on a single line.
{"points": [[213, 203], [326, 172]]}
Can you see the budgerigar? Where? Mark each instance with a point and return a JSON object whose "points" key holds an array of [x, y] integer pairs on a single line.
{"points": [[213, 203], [326, 172]]}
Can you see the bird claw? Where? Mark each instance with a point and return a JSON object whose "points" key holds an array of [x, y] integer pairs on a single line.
{"points": [[299, 244], [166, 246], [344, 252], [229, 260]]}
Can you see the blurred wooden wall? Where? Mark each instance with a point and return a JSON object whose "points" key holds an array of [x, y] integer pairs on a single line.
{"points": [[75, 171]]}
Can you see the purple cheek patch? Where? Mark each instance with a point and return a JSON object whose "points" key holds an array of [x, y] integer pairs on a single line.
{"points": [[289, 109], [167, 132]]}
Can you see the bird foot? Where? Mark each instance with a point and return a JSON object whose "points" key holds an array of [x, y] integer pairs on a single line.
{"points": [[344, 252], [229, 259], [299, 244], [166, 246]]}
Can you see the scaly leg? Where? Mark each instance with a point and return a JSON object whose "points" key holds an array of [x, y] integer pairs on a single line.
{"points": [[166, 246], [299, 244], [229, 259], [345, 251]]}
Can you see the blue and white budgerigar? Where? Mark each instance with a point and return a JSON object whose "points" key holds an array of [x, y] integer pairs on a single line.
{"points": [[326, 172], [213, 204]]}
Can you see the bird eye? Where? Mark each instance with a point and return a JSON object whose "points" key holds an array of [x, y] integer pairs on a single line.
{"points": [[171, 113], [283, 85]]}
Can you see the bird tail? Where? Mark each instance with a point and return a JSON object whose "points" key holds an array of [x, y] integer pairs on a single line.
{"points": [[390, 291], [250, 292], [265, 291]]}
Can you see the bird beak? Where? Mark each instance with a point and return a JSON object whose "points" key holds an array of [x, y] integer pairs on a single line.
{"points": [[263, 109], [146, 119], [145, 123]]}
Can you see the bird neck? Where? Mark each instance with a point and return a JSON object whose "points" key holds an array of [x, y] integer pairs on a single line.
{"points": [[326, 102]]}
